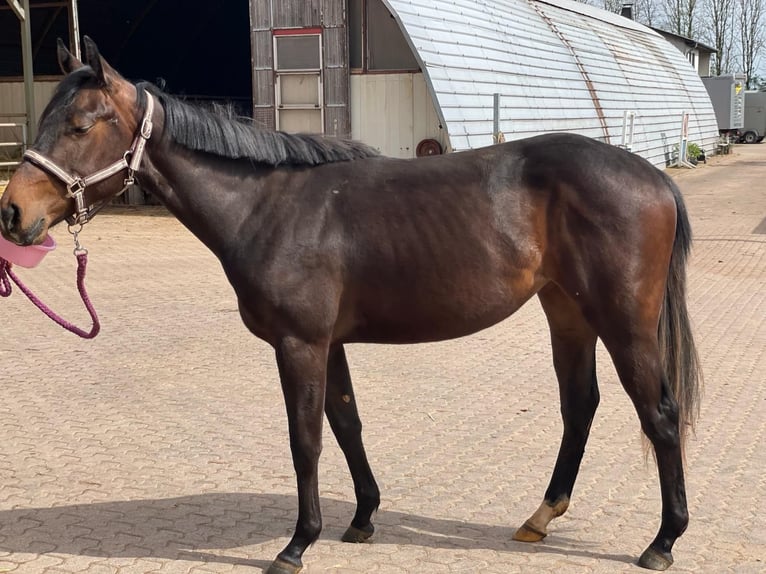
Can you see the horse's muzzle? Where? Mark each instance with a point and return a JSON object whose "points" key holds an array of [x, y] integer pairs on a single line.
{"points": [[11, 229]]}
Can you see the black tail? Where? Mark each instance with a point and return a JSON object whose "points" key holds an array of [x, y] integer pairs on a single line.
{"points": [[679, 355]]}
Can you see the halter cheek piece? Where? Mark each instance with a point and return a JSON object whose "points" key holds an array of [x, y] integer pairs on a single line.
{"points": [[75, 185]]}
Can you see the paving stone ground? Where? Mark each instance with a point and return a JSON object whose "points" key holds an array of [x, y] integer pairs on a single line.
{"points": [[162, 445]]}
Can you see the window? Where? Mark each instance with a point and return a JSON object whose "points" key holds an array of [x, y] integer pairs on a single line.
{"points": [[692, 56], [298, 67], [376, 42], [356, 34], [297, 51]]}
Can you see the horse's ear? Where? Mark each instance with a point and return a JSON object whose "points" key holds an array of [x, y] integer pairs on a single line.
{"points": [[104, 72], [67, 62]]}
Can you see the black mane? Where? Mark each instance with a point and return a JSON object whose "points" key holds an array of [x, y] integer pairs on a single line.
{"points": [[220, 133]]}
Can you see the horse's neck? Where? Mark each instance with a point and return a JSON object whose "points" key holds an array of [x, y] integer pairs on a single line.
{"points": [[211, 196]]}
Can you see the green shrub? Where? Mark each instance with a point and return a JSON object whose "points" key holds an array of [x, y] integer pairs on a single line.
{"points": [[693, 151]]}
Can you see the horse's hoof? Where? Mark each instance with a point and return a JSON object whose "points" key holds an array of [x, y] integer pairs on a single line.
{"points": [[354, 534], [528, 534], [654, 560], [280, 566]]}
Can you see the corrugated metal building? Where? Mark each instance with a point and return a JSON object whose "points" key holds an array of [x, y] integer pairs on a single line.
{"points": [[558, 65]]}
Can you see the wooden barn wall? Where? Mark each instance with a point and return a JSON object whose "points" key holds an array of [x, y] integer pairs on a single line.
{"points": [[296, 13], [328, 14], [262, 54], [337, 121], [13, 106]]}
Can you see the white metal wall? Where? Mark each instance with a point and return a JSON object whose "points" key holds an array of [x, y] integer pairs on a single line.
{"points": [[393, 112], [559, 65]]}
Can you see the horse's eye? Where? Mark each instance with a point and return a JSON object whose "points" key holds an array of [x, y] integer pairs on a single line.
{"points": [[82, 129]]}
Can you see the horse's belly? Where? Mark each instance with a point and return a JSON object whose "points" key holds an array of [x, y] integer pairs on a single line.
{"points": [[417, 332], [418, 316]]}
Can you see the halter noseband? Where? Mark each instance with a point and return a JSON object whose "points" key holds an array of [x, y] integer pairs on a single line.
{"points": [[76, 185]]}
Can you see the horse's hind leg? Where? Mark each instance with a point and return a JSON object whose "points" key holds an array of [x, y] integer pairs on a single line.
{"points": [[637, 360], [629, 331], [340, 407], [573, 343]]}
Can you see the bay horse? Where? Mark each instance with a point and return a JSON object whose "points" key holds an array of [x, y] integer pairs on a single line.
{"points": [[326, 243]]}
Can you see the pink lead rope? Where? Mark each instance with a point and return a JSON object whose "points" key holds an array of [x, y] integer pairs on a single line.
{"points": [[6, 274]]}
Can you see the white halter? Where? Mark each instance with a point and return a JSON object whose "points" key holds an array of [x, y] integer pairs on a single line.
{"points": [[131, 160]]}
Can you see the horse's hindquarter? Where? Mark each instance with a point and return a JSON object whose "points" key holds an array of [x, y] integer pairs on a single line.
{"points": [[610, 218], [434, 248]]}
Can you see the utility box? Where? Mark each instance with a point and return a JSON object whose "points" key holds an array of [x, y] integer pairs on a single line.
{"points": [[727, 94], [755, 117]]}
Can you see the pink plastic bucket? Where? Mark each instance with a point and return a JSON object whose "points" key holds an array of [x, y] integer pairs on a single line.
{"points": [[26, 256]]}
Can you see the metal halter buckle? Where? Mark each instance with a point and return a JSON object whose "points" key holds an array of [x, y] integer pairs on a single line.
{"points": [[77, 187]]}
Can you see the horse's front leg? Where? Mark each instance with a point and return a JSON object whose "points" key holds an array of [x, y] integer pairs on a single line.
{"points": [[302, 371]]}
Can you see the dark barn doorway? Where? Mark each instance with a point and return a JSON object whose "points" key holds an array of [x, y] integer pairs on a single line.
{"points": [[199, 49]]}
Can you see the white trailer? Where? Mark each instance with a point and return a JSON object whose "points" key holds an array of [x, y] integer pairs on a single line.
{"points": [[755, 117], [727, 94]]}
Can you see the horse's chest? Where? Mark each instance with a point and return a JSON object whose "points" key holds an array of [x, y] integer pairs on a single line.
{"points": [[287, 300]]}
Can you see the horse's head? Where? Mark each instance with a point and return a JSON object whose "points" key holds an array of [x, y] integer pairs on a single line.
{"points": [[89, 124]]}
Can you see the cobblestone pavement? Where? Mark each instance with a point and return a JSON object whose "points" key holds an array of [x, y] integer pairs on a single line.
{"points": [[162, 445]]}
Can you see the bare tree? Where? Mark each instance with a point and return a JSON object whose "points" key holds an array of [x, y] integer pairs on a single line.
{"points": [[612, 5], [645, 12], [751, 21], [681, 17], [717, 29]]}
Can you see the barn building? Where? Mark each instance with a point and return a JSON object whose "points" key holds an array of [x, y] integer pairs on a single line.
{"points": [[394, 73], [406, 76]]}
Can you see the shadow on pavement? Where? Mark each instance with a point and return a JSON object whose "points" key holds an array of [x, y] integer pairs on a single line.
{"points": [[200, 527]]}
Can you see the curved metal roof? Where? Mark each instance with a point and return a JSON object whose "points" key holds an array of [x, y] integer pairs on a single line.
{"points": [[558, 65]]}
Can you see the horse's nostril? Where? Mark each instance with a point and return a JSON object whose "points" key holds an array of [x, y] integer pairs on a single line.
{"points": [[10, 217], [5, 215], [15, 215]]}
